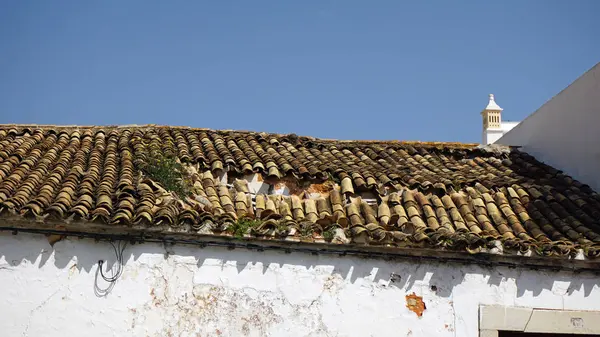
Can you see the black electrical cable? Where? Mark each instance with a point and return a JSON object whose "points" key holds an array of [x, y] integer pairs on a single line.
{"points": [[119, 262]]}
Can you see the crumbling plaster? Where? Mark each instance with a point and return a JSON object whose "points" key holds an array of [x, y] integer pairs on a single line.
{"points": [[179, 290]]}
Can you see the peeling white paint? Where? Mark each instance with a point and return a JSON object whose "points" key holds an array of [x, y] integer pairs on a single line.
{"points": [[189, 291]]}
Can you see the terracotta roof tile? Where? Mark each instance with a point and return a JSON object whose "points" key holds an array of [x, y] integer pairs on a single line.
{"points": [[446, 195]]}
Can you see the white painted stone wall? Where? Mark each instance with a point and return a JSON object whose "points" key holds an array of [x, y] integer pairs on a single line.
{"points": [[564, 132], [190, 291]]}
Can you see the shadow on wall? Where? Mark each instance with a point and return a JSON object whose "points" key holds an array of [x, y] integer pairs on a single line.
{"points": [[440, 278]]}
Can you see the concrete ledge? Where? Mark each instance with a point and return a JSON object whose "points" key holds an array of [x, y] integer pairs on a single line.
{"points": [[488, 333], [493, 319], [504, 318]]}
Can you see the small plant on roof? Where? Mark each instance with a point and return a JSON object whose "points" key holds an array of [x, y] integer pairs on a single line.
{"points": [[241, 226], [169, 172], [306, 231], [329, 234], [282, 229]]}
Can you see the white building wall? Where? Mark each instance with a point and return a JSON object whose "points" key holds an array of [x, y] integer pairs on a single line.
{"points": [[191, 291], [490, 136], [507, 126], [564, 132]]}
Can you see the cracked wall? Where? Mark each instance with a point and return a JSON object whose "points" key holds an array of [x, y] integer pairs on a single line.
{"points": [[189, 291]]}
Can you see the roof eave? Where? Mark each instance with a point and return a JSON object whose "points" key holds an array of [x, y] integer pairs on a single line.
{"points": [[412, 254]]}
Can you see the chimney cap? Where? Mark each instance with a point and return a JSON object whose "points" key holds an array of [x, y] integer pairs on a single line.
{"points": [[492, 105]]}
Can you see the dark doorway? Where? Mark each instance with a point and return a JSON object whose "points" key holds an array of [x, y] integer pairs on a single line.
{"points": [[528, 334]]}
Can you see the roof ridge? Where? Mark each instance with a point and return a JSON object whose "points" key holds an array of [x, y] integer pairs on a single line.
{"points": [[309, 138]]}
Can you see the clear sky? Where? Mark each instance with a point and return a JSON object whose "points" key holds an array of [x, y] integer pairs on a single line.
{"points": [[418, 70]]}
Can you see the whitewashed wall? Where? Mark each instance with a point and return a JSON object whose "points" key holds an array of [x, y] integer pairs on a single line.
{"points": [[490, 136], [564, 132], [190, 291]]}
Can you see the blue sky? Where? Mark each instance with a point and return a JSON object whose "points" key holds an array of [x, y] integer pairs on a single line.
{"points": [[418, 70]]}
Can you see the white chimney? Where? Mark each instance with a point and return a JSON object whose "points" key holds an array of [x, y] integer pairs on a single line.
{"points": [[492, 122]]}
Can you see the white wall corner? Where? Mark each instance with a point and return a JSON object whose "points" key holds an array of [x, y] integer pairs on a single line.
{"points": [[563, 132]]}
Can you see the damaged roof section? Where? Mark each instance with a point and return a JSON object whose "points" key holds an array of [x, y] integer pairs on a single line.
{"points": [[284, 187]]}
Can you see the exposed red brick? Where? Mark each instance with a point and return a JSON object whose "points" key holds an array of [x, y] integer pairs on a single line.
{"points": [[415, 304]]}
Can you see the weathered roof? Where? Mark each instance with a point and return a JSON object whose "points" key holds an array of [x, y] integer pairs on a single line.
{"points": [[447, 196]]}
